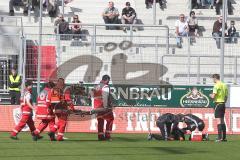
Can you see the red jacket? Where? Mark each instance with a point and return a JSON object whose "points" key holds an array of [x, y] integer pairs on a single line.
{"points": [[24, 106], [67, 98], [44, 110], [101, 96]]}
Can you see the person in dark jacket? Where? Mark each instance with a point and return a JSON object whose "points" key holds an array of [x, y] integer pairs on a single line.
{"points": [[129, 16], [168, 125], [194, 123], [232, 33]]}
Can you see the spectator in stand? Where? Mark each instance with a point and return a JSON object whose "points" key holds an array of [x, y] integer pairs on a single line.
{"points": [[193, 26], [182, 29], [211, 2], [149, 3], [13, 3], [52, 7], [232, 33], [129, 16], [219, 5], [67, 1], [110, 15], [217, 31], [35, 3], [194, 4], [201, 3], [63, 26], [76, 28]]}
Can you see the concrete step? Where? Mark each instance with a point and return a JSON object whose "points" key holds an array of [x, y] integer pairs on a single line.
{"points": [[4, 98]]}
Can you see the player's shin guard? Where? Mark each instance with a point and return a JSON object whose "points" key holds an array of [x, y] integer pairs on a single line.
{"points": [[223, 131], [219, 127]]}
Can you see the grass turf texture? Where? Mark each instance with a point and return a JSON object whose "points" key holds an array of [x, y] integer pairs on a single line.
{"points": [[124, 146]]}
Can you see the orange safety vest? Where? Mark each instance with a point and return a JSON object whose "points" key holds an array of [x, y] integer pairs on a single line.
{"points": [[56, 95]]}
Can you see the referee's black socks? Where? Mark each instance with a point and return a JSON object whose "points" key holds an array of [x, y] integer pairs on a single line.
{"points": [[219, 127], [224, 131]]}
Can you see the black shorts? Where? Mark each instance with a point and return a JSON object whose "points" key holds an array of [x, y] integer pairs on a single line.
{"points": [[219, 110]]}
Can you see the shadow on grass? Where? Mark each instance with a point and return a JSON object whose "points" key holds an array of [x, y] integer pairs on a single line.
{"points": [[126, 139], [162, 151], [144, 151]]}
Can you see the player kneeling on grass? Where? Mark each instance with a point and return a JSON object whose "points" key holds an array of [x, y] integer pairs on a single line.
{"points": [[168, 125], [194, 124]]}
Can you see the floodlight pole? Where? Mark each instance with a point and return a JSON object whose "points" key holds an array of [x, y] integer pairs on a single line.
{"points": [[224, 17], [154, 12], [39, 49], [63, 7]]}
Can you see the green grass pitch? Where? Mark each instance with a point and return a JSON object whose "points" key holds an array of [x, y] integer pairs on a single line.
{"points": [[83, 146]]}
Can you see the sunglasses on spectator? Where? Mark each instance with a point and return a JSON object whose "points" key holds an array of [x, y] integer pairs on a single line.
{"points": [[182, 17]]}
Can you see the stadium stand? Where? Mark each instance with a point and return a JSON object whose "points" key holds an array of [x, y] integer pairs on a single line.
{"points": [[182, 63]]}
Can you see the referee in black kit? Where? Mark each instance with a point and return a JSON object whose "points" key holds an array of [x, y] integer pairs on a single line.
{"points": [[219, 96]]}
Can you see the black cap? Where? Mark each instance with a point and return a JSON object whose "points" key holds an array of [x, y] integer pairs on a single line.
{"points": [[127, 3], [105, 77]]}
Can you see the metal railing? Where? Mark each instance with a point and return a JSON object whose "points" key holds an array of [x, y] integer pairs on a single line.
{"points": [[198, 68], [96, 30], [144, 49], [11, 22]]}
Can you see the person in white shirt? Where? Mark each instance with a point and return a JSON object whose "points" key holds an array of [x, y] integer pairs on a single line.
{"points": [[182, 29]]}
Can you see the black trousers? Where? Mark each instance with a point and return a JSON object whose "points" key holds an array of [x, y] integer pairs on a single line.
{"points": [[15, 97], [165, 129], [111, 21], [229, 5], [151, 1]]}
